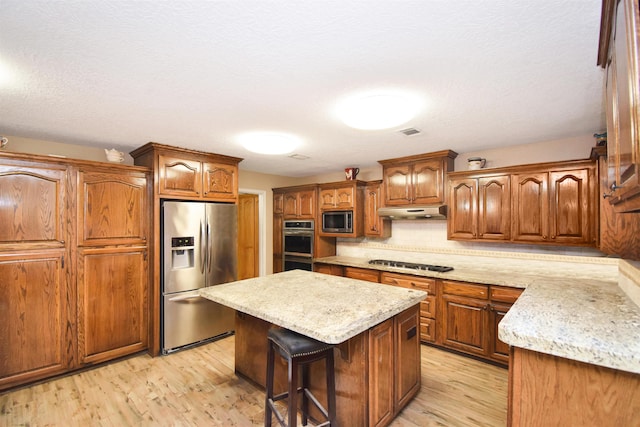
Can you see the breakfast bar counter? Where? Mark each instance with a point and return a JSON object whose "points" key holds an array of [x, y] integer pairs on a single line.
{"points": [[374, 327]]}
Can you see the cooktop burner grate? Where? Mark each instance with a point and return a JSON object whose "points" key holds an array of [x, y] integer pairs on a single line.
{"points": [[411, 265]]}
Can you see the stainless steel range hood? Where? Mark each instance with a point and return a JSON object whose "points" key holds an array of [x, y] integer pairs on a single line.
{"points": [[414, 212]]}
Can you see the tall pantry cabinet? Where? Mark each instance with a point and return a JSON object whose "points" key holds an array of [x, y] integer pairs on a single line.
{"points": [[73, 264]]}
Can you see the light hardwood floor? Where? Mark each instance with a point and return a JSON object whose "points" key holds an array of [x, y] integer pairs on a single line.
{"points": [[198, 387]]}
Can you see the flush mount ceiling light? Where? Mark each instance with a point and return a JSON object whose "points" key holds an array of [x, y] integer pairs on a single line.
{"points": [[269, 142], [378, 110]]}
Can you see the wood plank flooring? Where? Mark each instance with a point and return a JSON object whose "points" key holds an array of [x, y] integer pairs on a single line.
{"points": [[198, 387]]}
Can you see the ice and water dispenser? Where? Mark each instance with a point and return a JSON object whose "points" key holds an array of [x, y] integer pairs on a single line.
{"points": [[182, 252]]}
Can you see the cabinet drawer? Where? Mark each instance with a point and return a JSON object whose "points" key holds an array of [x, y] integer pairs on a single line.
{"points": [[362, 274], [428, 307], [504, 294], [411, 282], [427, 329], [465, 289]]}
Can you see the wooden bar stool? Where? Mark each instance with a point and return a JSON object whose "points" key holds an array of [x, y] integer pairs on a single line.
{"points": [[299, 351]]}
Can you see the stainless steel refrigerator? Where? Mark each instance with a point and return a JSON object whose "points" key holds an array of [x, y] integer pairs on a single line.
{"points": [[199, 242]]}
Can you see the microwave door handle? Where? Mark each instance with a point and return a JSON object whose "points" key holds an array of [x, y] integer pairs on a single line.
{"points": [[203, 248]]}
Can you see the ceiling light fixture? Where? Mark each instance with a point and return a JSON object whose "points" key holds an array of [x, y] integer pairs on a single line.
{"points": [[269, 142], [378, 110]]}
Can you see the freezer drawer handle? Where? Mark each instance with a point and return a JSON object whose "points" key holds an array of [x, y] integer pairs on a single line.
{"points": [[187, 298]]}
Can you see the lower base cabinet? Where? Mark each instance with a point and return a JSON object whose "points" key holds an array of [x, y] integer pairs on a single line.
{"points": [[377, 372], [112, 303], [546, 390], [457, 315]]}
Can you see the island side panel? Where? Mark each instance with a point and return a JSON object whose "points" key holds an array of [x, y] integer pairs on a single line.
{"points": [[551, 390], [350, 369]]}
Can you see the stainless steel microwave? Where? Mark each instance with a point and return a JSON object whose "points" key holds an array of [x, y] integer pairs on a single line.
{"points": [[337, 222]]}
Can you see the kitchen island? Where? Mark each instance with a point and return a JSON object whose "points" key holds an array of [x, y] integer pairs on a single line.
{"points": [[374, 327]]}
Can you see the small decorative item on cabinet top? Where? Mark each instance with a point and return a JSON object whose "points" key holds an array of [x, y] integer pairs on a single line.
{"points": [[351, 173], [476, 163], [3, 142], [114, 155]]}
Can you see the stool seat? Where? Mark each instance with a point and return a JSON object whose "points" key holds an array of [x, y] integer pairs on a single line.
{"points": [[294, 344], [299, 351]]}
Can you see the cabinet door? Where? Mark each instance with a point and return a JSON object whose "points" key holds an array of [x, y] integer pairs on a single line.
{"points": [[530, 207], [345, 197], [112, 302], [328, 198], [381, 373], [277, 243], [290, 208], [625, 147], [220, 181], [494, 208], [498, 350], [179, 177], [428, 182], [570, 206], [407, 356], [278, 203], [112, 208], [463, 209], [32, 208], [374, 226], [464, 324], [36, 326], [307, 204], [397, 181]]}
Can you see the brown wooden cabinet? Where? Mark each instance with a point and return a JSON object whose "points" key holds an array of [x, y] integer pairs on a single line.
{"points": [[546, 203], [362, 274], [53, 211], [113, 275], [428, 307], [464, 317], [502, 298], [374, 225], [342, 196], [618, 54], [394, 366], [546, 390], [299, 202], [557, 206], [480, 208], [332, 269], [183, 175], [416, 179], [190, 175]]}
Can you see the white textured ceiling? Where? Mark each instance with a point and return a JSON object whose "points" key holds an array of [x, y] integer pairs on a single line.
{"points": [[197, 73]]}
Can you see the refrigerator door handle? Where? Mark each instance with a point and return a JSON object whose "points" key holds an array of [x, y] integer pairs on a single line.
{"points": [[203, 249], [185, 298], [209, 249]]}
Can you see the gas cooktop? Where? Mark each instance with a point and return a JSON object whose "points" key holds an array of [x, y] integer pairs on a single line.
{"points": [[411, 265]]}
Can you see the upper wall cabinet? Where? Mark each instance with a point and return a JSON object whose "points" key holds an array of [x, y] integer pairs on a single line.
{"points": [[618, 54], [342, 196], [300, 203], [188, 174], [549, 203], [416, 180]]}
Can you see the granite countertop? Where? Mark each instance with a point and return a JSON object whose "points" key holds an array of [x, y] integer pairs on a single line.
{"points": [[331, 309], [592, 323], [576, 311]]}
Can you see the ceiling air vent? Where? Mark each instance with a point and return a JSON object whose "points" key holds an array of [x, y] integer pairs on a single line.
{"points": [[410, 131], [299, 157]]}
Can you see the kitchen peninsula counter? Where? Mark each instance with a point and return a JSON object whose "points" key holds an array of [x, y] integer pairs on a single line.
{"points": [[374, 327]]}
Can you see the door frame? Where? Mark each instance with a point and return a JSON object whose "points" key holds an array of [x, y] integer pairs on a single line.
{"points": [[262, 229]]}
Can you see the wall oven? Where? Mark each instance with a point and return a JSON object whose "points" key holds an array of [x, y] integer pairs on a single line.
{"points": [[297, 244]]}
